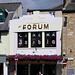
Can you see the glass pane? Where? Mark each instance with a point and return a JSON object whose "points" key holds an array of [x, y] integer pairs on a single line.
{"points": [[36, 68], [53, 41], [34, 42], [50, 41], [53, 34], [71, 72], [22, 69], [1, 68], [20, 43], [33, 34], [0, 17], [39, 34], [23, 39], [20, 35], [1, 14], [36, 39], [49, 69], [47, 34], [26, 35], [39, 42]]}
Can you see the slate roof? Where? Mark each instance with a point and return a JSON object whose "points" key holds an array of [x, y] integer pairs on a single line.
{"points": [[10, 6], [59, 7], [70, 6]]}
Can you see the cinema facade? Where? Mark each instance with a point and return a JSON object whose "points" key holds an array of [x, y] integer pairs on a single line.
{"points": [[35, 40]]}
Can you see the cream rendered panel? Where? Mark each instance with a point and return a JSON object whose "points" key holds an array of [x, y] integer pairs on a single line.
{"points": [[4, 44], [44, 12], [29, 13], [29, 50], [18, 12], [58, 14], [11, 35], [58, 42]]}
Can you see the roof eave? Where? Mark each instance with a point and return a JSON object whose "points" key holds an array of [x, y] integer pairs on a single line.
{"points": [[68, 11], [41, 10]]}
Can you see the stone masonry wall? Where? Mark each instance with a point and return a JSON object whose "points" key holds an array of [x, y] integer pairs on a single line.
{"points": [[69, 40]]}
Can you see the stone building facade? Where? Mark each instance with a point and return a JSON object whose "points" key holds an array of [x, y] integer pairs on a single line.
{"points": [[69, 37]]}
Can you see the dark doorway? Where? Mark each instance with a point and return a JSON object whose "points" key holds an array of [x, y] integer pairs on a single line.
{"points": [[49, 69], [22, 69], [35, 68], [1, 69]]}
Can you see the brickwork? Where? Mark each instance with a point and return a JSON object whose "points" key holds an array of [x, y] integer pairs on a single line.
{"points": [[69, 40]]}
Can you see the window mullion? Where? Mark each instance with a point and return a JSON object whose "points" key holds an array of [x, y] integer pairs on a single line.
{"points": [[29, 40], [43, 40]]}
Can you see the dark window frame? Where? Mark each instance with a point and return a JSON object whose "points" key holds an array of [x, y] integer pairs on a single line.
{"points": [[23, 38], [49, 39], [36, 39]]}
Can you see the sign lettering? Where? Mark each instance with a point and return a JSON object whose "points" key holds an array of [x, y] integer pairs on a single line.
{"points": [[36, 26]]}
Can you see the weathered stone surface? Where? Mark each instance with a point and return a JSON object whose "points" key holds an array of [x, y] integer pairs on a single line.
{"points": [[69, 40]]}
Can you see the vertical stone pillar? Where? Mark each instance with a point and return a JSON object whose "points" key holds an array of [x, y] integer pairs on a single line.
{"points": [[5, 68]]}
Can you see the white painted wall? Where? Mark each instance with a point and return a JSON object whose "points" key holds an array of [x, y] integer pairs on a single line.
{"points": [[5, 67], [18, 12], [58, 14], [55, 25], [4, 44], [40, 51]]}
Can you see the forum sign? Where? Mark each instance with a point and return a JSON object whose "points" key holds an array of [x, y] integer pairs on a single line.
{"points": [[33, 27], [36, 26], [32, 23]]}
